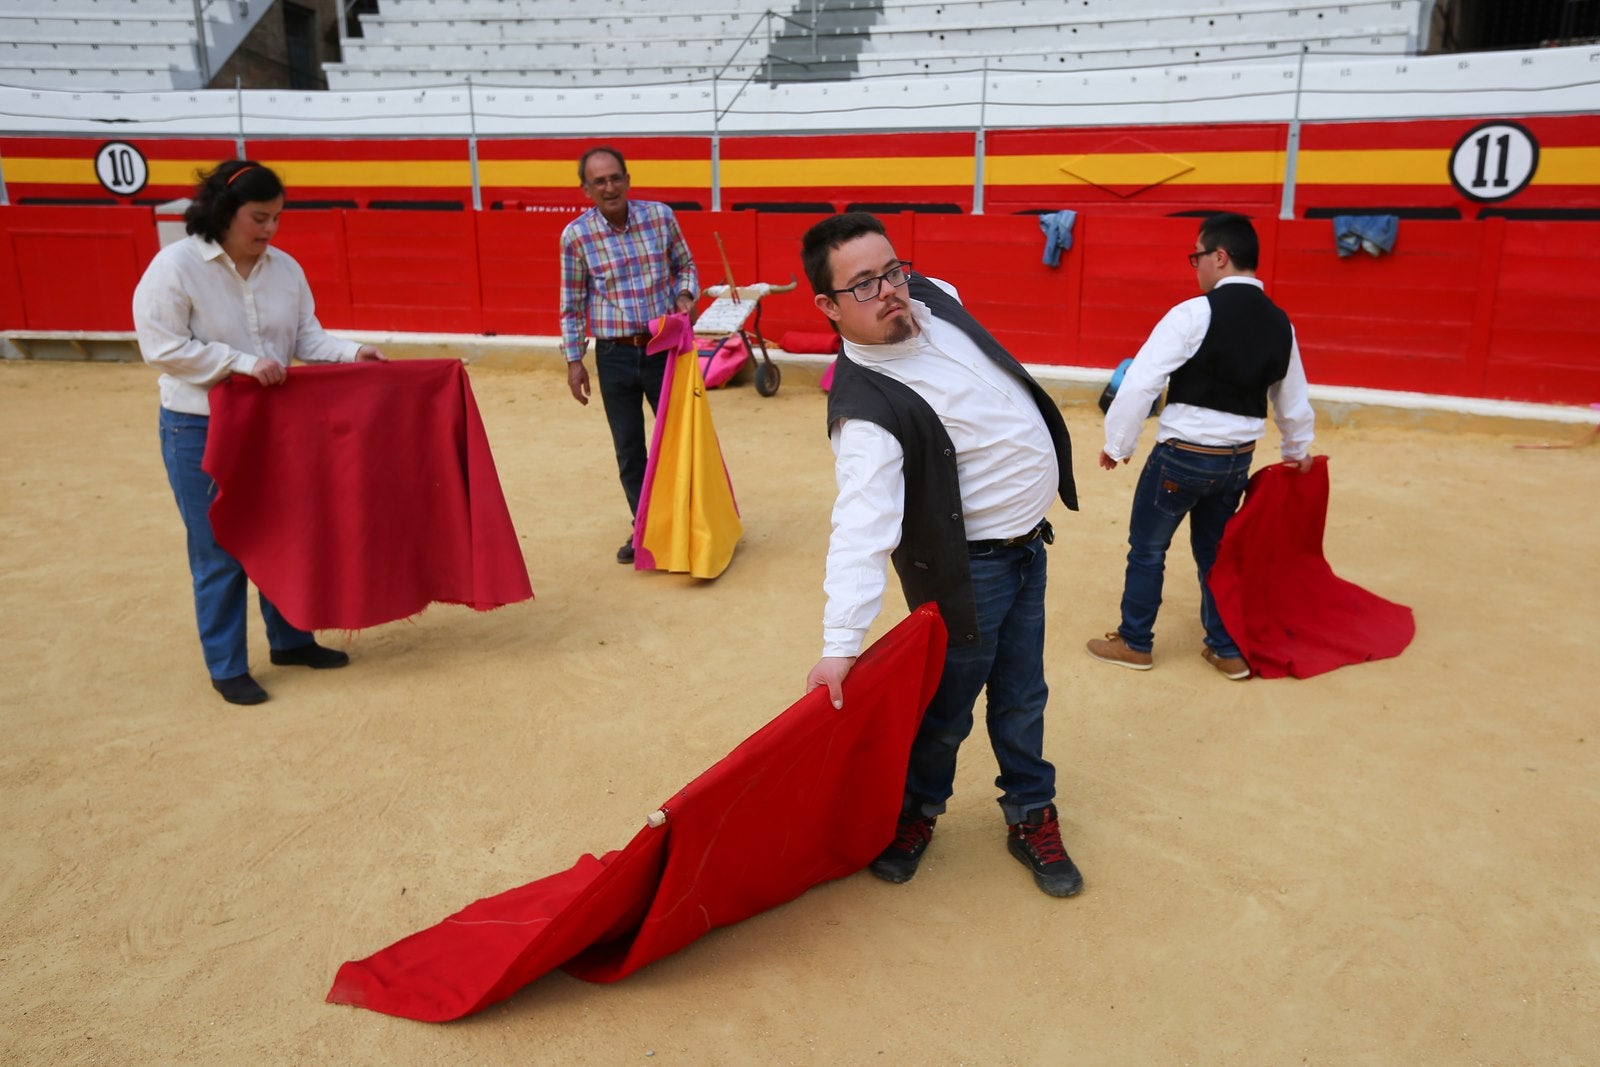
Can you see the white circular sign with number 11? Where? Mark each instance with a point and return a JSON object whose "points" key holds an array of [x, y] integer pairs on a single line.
{"points": [[1493, 161]]}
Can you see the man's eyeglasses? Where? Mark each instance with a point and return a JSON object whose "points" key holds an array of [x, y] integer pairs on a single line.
{"points": [[608, 180], [1196, 257], [869, 288]]}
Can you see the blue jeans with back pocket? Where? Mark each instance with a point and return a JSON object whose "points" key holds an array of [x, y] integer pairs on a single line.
{"points": [[1175, 483]]}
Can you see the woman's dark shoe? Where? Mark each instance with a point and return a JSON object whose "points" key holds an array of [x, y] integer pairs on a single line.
{"points": [[240, 689], [312, 655]]}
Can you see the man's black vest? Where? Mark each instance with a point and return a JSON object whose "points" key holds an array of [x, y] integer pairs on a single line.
{"points": [[931, 559], [1245, 350]]}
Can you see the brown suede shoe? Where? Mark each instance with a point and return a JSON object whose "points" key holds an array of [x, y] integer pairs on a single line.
{"points": [[1233, 667], [1114, 650]]}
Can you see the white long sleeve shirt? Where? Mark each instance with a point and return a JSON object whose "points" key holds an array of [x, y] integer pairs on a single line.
{"points": [[197, 321], [1173, 343], [1005, 464]]}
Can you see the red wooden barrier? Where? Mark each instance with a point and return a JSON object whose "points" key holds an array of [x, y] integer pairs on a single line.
{"points": [[415, 271], [519, 257], [1543, 342], [1406, 319], [316, 239], [71, 268], [1486, 309]]}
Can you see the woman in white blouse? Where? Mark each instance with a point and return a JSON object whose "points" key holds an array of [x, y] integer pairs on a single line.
{"points": [[223, 301]]}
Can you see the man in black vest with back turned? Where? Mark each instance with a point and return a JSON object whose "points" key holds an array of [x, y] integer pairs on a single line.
{"points": [[1223, 357], [948, 456]]}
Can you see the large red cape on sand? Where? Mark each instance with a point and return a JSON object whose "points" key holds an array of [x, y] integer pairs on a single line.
{"points": [[355, 494], [1277, 595], [809, 797]]}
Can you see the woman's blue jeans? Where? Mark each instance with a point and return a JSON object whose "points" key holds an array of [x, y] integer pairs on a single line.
{"points": [[220, 591], [1008, 661], [1175, 483]]}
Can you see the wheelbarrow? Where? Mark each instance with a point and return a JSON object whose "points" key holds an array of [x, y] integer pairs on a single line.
{"points": [[732, 307]]}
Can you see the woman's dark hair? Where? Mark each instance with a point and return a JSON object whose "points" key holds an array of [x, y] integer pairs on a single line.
{"points": [[222, 190]]}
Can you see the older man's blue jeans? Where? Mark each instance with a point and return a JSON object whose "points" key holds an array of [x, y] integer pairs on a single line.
{"points": [[628, 376], [1173, 484], [1008, 661], [220, 590]]}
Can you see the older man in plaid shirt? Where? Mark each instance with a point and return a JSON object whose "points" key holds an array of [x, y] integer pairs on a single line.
{"points": [[623, 263]]}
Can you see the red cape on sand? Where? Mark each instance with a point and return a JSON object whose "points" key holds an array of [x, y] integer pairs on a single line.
{"points": [[355, 494], [1277, 595], [831, 779]]}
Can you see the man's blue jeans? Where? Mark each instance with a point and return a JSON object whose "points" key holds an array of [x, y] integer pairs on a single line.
{"points": [[220, 591], [1008, 584], [1175, 483], [626, 376]]}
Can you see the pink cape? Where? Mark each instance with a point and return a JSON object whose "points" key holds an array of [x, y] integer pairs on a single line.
{"points": [[355, 494], [809, 797], [1277, 595]]}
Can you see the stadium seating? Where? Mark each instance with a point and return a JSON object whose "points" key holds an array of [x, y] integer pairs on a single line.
{"points": [[557, 42], [124, 45], [150, 44]]}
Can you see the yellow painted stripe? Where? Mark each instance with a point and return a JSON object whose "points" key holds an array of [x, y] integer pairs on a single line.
{"points": [[371, 173], [1569, 166], [888, 171], [1138, 168], [562, 174], [536, 173], [1378, 166], [44, 170]]}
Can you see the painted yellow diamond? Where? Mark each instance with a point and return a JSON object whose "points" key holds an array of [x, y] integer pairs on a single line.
{"points": [[1126, 167]]}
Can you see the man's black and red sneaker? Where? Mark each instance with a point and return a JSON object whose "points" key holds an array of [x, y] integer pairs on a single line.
{"points": [[1036, 842], [898, 862]]}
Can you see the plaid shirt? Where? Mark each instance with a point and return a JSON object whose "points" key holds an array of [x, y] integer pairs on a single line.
{"points": [[615, 283]]}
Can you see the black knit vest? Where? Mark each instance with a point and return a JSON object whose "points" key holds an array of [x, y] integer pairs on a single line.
{"points": [[1245, 350], [931, 559]]}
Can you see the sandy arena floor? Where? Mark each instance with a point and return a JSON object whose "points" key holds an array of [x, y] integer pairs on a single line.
{"points": [[1393, 863]]}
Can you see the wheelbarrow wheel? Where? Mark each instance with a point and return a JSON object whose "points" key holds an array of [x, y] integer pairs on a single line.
{"points": [[767, 379]]}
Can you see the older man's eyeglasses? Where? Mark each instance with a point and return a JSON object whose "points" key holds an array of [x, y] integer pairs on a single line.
{"points": [[1196, 257], [869, 288]]}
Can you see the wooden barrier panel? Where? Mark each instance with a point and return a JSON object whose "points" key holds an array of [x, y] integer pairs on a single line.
{"points": [[996, 263], [1406, 319], [1486, 308], [1133, 270], [737, 230], [1542, 338], [414, 271], [519, 260], [73, 268], [316, 240], [777, 256]]}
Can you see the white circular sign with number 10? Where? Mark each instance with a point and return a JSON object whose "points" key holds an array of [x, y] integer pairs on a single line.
{"points": [[121, 168]]}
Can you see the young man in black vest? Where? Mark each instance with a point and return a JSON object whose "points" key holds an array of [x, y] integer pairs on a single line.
{"points": [[1222, 357], [948, 456]]}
